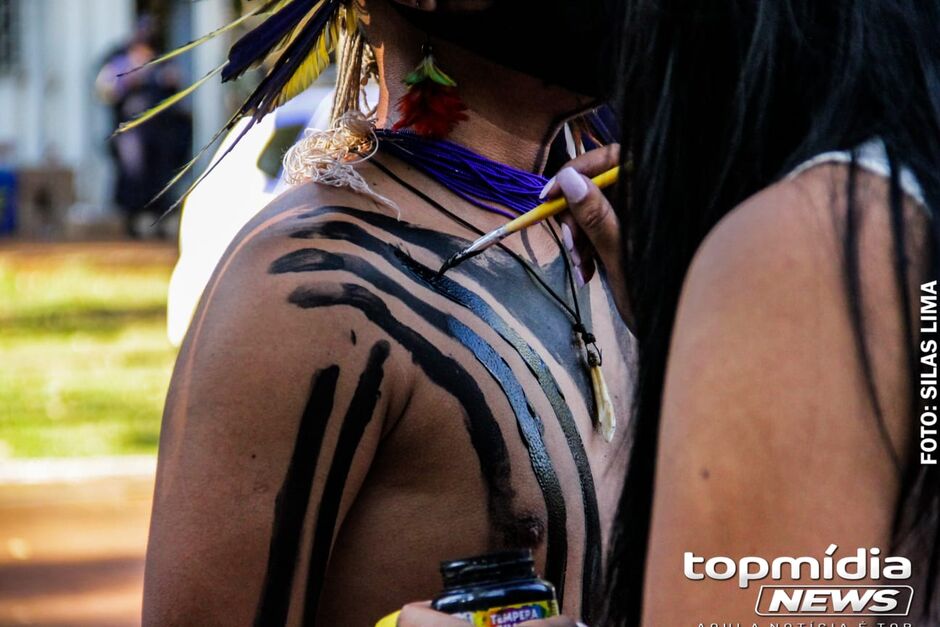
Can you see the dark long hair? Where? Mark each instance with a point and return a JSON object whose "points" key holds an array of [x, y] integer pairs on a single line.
{"points": [[722, 98]]}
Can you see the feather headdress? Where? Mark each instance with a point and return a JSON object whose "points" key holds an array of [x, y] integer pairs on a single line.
{"points": [[296, 38]]}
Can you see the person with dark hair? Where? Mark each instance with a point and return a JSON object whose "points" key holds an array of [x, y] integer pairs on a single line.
{"points": [[777, 254], [144, 158], [341, 419]]}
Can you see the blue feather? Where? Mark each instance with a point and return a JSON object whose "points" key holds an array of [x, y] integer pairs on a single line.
{"points": [[265, 97], [282, 28], [260, 41]]}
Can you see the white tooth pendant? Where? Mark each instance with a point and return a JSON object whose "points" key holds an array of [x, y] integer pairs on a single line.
{"points": [[606, 419]]}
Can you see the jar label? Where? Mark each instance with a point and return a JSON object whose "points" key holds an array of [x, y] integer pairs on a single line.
{"points": [[511, 615]]}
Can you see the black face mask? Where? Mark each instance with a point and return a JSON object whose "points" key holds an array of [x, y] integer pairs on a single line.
{"points": [[570, 43]]}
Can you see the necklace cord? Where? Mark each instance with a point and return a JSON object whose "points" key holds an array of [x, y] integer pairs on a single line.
{"points": [[575, 313]]}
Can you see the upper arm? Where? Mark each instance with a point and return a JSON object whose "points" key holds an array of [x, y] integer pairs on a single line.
{"points": [[274, 414], [769, 444]]}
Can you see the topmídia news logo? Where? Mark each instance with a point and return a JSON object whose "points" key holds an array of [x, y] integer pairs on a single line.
{"points": [[883, 599]]}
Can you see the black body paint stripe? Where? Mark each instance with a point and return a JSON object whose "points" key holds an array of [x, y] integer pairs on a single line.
{"points": [[557, 544], [304, 260], [485, 435], [530, 428], [358, 417], [498, 271], [552, 391], [290, 506], [451, 289]]}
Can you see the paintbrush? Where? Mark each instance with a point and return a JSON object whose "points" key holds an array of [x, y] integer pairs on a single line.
{"points": [[530, 218]]}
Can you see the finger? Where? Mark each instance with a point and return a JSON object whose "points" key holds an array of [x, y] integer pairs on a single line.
{"points": [[594, 215], [579, 248], [557, 621], [590, 164], [421, 615]]}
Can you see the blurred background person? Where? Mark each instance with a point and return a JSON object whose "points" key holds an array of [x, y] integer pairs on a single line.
{"points": [[146, 157], [83, 343]]}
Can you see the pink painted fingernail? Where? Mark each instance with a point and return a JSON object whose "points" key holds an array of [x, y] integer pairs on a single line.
{"points": [[575, 257], [566, 237], [573, 185], [568, 240], [579, 275], [548, 187]]}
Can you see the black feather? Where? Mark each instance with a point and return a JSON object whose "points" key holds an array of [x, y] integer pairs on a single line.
{"points": [[297, 27], [265, 97], [255, 46]]}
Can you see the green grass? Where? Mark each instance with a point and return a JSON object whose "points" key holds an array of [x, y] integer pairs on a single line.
{"points": [[85, 359]]}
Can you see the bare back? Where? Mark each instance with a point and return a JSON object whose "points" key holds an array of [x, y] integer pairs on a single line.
{"points": [[340, 420]]}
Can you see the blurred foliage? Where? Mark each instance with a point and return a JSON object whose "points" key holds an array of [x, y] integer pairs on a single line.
{"points": [[85, 359]]}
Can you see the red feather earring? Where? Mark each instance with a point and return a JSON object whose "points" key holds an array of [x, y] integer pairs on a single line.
{"points": [[431, 107]]}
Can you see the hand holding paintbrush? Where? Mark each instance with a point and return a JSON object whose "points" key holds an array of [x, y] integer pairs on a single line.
{"points": [[593, 229], [535, 216]]}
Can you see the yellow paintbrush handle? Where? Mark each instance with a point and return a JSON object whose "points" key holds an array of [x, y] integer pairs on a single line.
{"points": [[389, 621], [556, 206]]}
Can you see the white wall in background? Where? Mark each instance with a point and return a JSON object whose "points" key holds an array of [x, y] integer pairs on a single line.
{"points": [[48, 106], [208, 105]]}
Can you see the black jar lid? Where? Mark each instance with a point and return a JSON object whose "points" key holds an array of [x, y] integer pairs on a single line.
{"points": [[496, 567]]}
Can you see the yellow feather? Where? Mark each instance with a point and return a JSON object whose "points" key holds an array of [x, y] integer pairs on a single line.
{"points": [[166, 104], [301, 25], [350, 20], [310, 70], [272, 6], [317, 61], [195, 160]]}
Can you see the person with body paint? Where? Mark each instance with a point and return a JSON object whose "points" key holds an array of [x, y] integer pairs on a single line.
{"points": [[777, 255], [341, 419]]}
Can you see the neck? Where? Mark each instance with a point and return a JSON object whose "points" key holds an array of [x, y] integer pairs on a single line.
{"points": [[513, 118]]}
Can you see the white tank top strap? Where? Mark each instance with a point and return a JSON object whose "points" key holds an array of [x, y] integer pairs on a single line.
{"points": [[872, 157]]}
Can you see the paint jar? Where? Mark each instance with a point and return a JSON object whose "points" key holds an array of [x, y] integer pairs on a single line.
{"points": [[501, 589]]}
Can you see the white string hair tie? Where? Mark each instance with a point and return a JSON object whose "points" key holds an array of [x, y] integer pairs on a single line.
{"points": [[329, 157]]}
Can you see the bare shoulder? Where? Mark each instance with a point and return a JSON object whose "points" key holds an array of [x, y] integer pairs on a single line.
{"points": [[766, 345], [309, 234], [797, 230], [284, 294], [303, 206], [771, 439], [284, 360], [768, 298]]}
